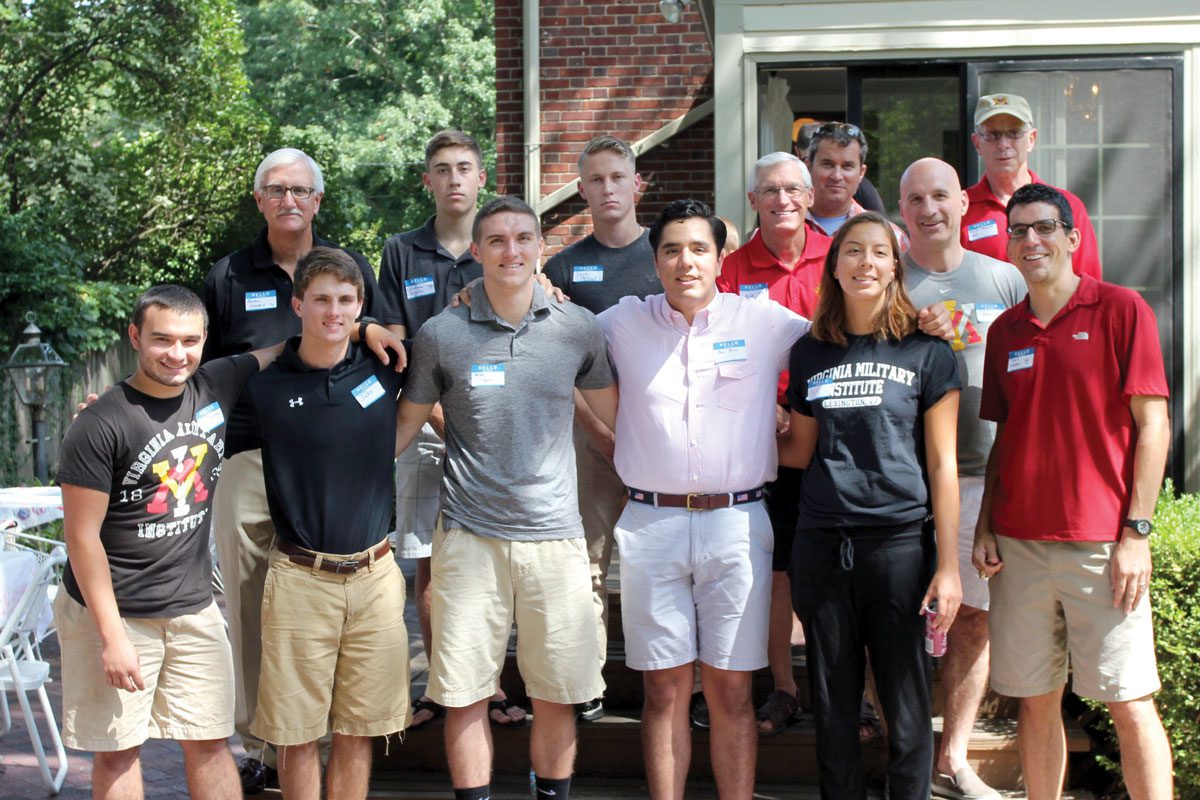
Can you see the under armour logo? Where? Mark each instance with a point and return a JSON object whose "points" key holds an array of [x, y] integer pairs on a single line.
{"points": [[295, 401]]}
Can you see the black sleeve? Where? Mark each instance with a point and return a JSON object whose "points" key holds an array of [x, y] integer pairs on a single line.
{"points": [[390, 306], [868, 197], [212, 306], [88, 453], [557, 273], [797, 391], [242, 432], [370, 285], [939, 374]]}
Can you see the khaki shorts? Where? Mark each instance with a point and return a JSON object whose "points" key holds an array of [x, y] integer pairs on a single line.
{"points": [[1052, 604], [186, 665], [334, 647], [480, 586], [418, 493]]}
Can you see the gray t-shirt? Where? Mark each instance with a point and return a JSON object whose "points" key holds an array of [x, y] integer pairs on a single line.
{"points": [[597, 277], [508, 397], [975, 294]]}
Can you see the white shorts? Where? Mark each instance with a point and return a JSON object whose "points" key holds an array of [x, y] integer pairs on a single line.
{"points": [[975, 588], [695, 583], [418, 494]]}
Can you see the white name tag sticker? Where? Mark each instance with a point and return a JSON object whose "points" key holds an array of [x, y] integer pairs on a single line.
{"points": [[210, 417], [487, 374], [261, 301], [729, 350], [587, 273], [986, 313], [985, 229], [418, 287], [1020, 359], [368, 391], [819, 390], [752, 291]]}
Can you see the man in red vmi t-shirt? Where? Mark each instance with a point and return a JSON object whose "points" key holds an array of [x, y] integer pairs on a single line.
{"points": [[1004, 136], [1074, 379]]}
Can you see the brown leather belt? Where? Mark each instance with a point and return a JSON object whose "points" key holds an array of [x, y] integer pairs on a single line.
{"points": [[695, 501], [306, 558]]}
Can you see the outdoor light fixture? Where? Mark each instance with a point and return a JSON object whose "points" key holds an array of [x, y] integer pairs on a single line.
{"points": [[672, 10], [30, 366]]}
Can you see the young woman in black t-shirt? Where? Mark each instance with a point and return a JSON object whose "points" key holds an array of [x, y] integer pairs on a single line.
{"points": [[874, 417]]}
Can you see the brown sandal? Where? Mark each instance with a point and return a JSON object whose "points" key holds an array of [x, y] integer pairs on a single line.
{"points": [[779, 710]]}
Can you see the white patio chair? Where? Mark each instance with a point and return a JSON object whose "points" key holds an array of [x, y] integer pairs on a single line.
{"points": [[22, 671]]}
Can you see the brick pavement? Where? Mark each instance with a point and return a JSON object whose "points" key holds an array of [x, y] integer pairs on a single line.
{"points": [[162, 761]]}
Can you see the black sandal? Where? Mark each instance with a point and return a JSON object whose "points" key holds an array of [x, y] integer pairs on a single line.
{"points": [[503, 707], [425, 704]]}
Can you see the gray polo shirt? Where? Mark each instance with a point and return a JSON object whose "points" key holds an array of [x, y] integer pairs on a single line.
{"points": [[975, 293], [508, 397]]}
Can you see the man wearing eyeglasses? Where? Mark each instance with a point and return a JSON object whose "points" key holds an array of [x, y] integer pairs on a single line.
{"points": [[1004, 137], [248, 299], [837, 159], [1074, 380]]}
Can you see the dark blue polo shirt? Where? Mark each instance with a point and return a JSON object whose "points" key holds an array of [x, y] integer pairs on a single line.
{"points": [[417, 278]]}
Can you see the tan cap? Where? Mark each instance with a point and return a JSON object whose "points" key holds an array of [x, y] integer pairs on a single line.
{"points": [[992, 105]]}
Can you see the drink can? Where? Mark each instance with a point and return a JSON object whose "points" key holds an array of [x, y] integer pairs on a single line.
{"points": [[935, 640]]}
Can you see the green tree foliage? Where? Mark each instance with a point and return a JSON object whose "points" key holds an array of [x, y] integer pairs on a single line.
{"points": [[126, 134], [361, 86]]}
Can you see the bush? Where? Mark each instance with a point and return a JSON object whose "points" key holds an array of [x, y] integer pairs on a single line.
{"points": [[1175, 597], [1175, 594]]}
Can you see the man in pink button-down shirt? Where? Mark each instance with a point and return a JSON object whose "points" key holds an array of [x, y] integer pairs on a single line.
{"points": [[695, 442]]}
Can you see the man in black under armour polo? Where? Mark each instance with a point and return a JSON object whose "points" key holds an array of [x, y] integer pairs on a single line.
{"points": [[334, 642]]}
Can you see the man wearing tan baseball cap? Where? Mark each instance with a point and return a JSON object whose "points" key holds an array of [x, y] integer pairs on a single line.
{"points": [[1004, 136]]}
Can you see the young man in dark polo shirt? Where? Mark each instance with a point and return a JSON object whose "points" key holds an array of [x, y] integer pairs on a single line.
{"points": [[247, 295], [333, 633], [420, 271], [510, 542], [144, 647], [612, 262]]}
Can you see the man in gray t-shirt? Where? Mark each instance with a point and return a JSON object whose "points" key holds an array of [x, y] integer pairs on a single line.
{"points": [[509, 544], [975, 289]]}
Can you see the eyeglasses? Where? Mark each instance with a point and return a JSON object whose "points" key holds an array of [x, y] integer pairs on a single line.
{"points": [[792, 190], [276, 192], [847, 128], [1043, 227], [992, 137]]}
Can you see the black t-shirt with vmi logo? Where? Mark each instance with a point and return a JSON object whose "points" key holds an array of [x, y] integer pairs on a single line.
{"points": [[158, 460], [328, 438]]}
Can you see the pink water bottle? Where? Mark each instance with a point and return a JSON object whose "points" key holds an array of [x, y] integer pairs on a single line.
{"points": [[935, 640]]}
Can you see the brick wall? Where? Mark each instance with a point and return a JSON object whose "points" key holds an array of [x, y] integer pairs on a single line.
{"points": [[614, 67]]}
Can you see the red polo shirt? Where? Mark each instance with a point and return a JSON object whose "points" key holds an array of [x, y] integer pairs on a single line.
{"points": [[983, 228], [752, 270], [1065, 461]]}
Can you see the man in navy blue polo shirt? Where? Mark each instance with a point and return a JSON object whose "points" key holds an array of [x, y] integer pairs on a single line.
{"points": [[247, 297], [333, 633]]}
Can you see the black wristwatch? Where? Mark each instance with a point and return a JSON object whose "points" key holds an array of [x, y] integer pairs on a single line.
{"points": [[363, 322], [1142, 527]]}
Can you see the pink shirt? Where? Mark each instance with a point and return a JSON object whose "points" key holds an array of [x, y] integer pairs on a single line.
{"points": [[697, 409]]}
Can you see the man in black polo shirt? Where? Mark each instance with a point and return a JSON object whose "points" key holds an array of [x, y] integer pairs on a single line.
{"points": [[420, 271], [333, 633], [247, 295], [614, 261]]}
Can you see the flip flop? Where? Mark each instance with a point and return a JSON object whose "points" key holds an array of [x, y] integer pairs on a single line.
{"points": [[425, 704], [779, 710], [503, 707]]}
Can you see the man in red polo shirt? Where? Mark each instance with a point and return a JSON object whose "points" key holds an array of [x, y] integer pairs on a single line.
{"points": [[1074, 379], [782, 261], [1004, 136]]}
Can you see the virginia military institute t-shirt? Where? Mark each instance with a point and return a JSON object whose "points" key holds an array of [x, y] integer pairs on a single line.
{"points": [[159, 461], [869, 400]]}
